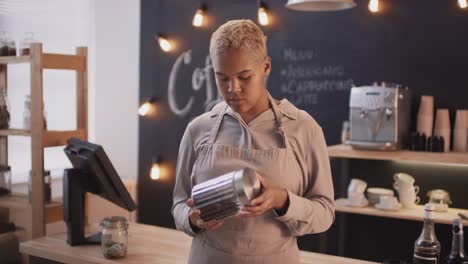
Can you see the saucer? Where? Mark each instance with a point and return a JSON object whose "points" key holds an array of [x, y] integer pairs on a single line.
{"points": [[363, 204], [379, 206]]}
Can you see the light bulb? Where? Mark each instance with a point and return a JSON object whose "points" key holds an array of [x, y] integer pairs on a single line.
{"points": [[198, 18], [462, 4], [155, 171], [263, 16], [374, 6], [144, 109], [165, 44]]}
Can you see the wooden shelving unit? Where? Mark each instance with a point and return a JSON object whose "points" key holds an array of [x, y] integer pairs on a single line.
{"points": [[14, 59], [415, 214], [15, 132], [34, 214], [346, 151]]}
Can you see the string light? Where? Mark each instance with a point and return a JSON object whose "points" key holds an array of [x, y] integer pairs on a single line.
{"points": [[462, 4], [164, 43], [155, 172], [263, 14], [199, 16], [147, 107], [374, 6]]}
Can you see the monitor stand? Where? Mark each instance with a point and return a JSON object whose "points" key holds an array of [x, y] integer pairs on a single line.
{"points": [[75, 186]]}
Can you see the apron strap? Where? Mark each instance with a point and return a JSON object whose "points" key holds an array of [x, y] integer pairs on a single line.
{"points": [[278, 116], [276, 113]]}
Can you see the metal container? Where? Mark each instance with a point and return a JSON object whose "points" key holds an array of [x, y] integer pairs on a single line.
{"points": [[223, 196]]}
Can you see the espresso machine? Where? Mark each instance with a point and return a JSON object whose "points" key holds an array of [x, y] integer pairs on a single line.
{"points": [[379, 116]]}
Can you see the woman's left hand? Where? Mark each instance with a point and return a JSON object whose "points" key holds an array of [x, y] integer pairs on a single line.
{"points": [[272, 197]]}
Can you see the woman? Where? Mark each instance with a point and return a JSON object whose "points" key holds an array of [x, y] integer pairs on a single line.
{"points": [[251, 129]]}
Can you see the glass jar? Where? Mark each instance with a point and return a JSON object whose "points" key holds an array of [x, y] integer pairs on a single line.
{"points": [[27, 113], [4, 110], [114, 237], [47, 186], [5, 180], [25, 45], [4, 49]]}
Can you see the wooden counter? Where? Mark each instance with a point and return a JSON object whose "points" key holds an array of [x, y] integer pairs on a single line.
{"points": [[146, 244]]}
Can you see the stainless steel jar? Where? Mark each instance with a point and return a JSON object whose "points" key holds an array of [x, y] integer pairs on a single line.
{"points": [[114, 238], [223, 196]]}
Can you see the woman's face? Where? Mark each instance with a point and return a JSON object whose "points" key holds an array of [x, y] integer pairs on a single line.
{"points": [[240, 77]]}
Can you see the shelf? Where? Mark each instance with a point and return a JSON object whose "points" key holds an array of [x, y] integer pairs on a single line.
{"points": [[14, 59], [53, 210], [15, 132], [346, 151], [415, 214], [59, 138], [49, 138]]}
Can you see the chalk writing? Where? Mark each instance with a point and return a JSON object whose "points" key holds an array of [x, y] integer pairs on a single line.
{"points": [[201, 77], [304, 77], [290, 54]]}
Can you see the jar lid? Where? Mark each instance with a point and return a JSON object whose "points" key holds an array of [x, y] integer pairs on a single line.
{"points": [[4, 168], [114, 222]]}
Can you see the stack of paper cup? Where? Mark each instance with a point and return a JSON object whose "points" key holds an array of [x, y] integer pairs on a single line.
{"points": [[442, 127], [460, 131], [426, 115]]}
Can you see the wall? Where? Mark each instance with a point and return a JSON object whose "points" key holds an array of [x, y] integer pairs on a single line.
{"points": [[111, 31], [116, 40], [60, 26]]}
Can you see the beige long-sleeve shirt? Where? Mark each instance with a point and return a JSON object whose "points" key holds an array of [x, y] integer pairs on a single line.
{"points": [[311, 209]]}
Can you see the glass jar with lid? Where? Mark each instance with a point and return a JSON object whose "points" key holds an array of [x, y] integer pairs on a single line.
{"points": [[114, 238], [5, 180], [4, 49], [4, 110], [25, 44]]}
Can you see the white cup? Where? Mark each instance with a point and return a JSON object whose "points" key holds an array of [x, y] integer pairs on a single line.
{"points": [[408, 199], [404, 188], [356, 199], [388, 202], [357, 186], [404, 178]]}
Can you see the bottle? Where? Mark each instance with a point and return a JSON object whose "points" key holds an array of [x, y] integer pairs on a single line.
{"points": [[457, 255], [427, 247], [47, 187], [345, 132], [27, 113], [4, 110]]}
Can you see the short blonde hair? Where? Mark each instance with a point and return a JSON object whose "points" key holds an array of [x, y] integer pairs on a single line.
{"points": [[243, 34]]}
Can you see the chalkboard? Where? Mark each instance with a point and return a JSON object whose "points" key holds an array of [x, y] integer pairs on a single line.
{"points": [[316, 59]]}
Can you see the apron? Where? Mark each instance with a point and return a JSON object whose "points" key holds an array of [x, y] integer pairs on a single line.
{"points": [[262, 239]]}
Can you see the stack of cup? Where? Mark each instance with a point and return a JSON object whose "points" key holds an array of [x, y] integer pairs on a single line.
{"points": [[442, 127], [407, 191], [426, 115], [356, 190], [460, 131]]}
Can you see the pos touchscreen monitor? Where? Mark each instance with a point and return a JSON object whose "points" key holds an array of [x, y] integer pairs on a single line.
{"points": [[92, 172]]}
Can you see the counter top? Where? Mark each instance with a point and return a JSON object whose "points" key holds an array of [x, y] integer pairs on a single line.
{"points": [[146, 244]]}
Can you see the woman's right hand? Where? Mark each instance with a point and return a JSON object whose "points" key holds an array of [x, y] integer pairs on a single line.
{"points": [[195, 220]]}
